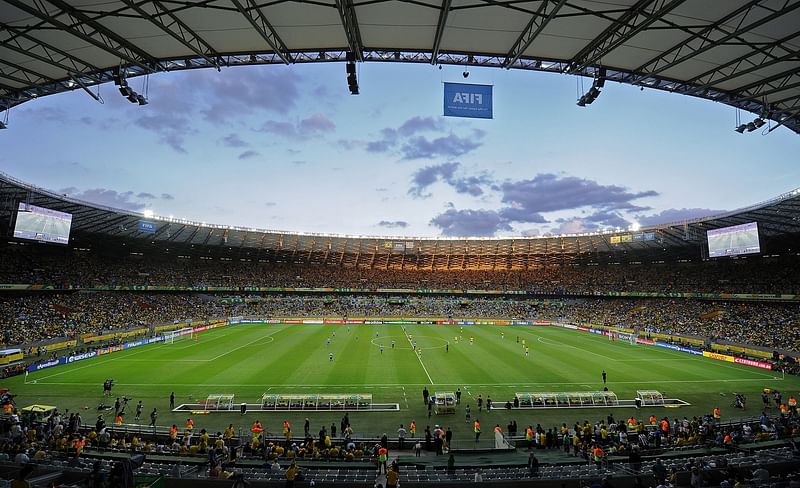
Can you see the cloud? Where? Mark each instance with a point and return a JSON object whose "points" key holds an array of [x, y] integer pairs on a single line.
{"points": [[237, 92], [249, 154], [104, 196], [46, 114], [421, 147], [420, 124], [424, 177], [380, 146], [476, 223], [415, 146], [167, 196], [233, 140], [312, 126], [471, 185], [676, 215], [171, 128], [394, 224], [528, 199], [146, 195], [316, 123]]}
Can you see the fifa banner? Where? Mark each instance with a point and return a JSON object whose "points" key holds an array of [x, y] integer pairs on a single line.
{"points": [[146, 227], [468, 100]]}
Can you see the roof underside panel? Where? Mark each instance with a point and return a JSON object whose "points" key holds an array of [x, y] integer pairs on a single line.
{"points": [[744, 53]]}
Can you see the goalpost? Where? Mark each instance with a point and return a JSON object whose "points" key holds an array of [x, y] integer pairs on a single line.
{"points": [[177, 335]]}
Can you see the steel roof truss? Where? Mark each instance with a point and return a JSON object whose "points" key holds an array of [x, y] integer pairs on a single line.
{"points": [[437, 38], [173, 26], [632, 22], [76, 65], [90, 31], [347, 12], [702, 40], [535, 26], [264, 28], [764, 58]]}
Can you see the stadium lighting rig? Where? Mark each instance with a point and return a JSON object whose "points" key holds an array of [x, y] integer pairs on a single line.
{"points": [[128, 92], [750, 126], [594, 92], [352, 79]]}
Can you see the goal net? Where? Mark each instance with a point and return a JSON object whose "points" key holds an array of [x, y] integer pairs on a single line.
{"points": [[177, 335]]}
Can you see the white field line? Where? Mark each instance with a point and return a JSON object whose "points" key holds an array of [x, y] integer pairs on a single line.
{"points": [[399, 385], [126, 357], [419, 358], [255, 343]]}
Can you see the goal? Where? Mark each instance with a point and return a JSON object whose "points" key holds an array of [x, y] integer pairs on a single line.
{"points": [[177, 335]]}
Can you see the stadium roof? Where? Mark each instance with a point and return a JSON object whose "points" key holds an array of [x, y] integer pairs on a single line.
{"points": [[743, 53], [98, 226]]}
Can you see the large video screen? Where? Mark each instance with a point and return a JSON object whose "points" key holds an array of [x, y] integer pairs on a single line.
{"points": [[735, 240], [42, 224]]}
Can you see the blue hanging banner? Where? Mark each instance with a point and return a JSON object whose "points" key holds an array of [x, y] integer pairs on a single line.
{"points": [[147, 227], [468, 100]]}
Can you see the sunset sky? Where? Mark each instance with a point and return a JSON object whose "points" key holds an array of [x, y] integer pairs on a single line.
{"points": [[287, 148]]}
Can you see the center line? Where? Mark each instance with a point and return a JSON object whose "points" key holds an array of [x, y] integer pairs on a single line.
{"points": [[417, 355]]}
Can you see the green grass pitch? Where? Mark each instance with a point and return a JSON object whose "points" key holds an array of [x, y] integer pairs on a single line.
{"points": [[250, 359]]}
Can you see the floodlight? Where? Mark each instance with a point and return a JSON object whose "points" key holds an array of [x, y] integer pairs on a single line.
{"points": [[125, 91], [751, 127], [582, 101], [3, 125], [759, 122], [141, 99], [741, 128], [133, 97], [148, 213]]}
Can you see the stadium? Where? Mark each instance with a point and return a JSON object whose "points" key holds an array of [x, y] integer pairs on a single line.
{"points": [[141, 349]]}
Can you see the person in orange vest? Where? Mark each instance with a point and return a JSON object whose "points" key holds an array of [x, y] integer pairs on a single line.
{"points": [[727, 441], [412, 427], [497, 428], [78, 444], [383, 456], [476, 427], [286, 427], [189, 424], [8, 409], [118, 419], [793, 405], [257, 429], [784, 408], [173, 433], [717, 414], [652, 420], [664, 426], [529, 436], [597, 455]]}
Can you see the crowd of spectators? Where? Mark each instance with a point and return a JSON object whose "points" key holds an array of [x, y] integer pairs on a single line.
{"points": [[632, 441], [25, 319], [84, 269], [33, 317]]}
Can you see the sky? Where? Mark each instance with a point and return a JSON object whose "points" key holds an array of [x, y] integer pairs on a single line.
{"points": [[288, 148]]}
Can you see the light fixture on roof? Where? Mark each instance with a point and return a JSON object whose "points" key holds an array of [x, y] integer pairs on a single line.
{"points": [[352, 78], [119, 77], [594, 92]]}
